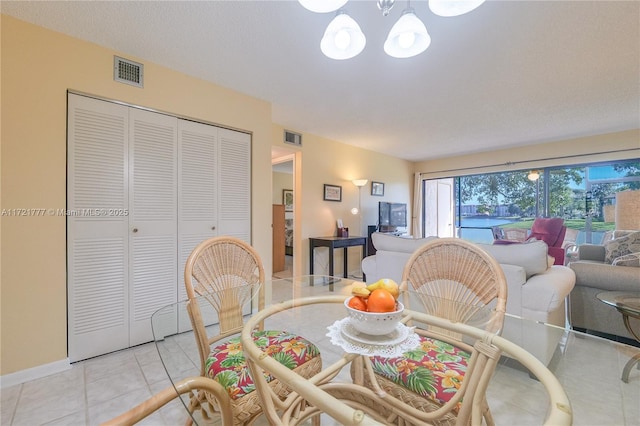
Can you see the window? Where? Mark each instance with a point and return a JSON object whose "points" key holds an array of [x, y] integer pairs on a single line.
{"points": [[584, 196]]}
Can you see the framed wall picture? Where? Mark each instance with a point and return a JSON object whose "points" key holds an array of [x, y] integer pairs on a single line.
{"points": [[377, 188], [332, 193], [287, 199]]}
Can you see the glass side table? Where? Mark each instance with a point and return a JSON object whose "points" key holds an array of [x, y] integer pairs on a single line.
{"points": [[628, 304]]}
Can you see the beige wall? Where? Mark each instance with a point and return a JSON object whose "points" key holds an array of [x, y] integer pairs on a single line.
{"points": [[606, 147], [325, 161], [280, 181], [38, 67]]}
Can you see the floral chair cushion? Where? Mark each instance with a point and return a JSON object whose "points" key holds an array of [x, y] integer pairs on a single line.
{"points": [[226, 363], [434, 370]]}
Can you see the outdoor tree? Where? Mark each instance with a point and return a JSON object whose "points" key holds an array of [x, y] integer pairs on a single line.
{"points": [[561, 195], [511, 188], [629, 170], [517, 191], [599, 194]]}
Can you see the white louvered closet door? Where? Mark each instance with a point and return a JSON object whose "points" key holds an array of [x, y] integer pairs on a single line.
{"points": [[202, 164], [153, 219], [97, 245], [181, 182], [197, 195], [197, 190], [234, 201], [234, 182]]}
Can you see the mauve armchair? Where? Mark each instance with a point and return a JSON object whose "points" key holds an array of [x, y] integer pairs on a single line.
{"points": [[550, 230]]}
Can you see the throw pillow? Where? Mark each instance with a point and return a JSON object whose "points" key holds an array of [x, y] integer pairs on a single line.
{"points": [[532, 257], [620, 233], [628, 244], [387, 242], [632, 259]]}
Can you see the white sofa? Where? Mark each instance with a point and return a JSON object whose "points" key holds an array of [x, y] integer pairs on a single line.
{"points": [[537, 289]]}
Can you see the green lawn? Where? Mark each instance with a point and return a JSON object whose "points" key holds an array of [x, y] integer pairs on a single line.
{"points": [[570, 223]]}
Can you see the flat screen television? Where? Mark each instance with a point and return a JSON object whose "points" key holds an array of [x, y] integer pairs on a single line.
{"points": [[392, 215], [383, 214]]}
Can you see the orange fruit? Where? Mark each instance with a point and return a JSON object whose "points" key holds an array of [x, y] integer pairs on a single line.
{"points": [[381, 300], [357, 302]]}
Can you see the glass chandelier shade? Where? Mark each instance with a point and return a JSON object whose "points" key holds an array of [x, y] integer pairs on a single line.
{"points": [[322, 6], [453, 7], [408, 37], [343, 38]]}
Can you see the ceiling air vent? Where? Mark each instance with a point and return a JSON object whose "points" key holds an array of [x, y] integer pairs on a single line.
{"points": [[126, 71], [292, 138]]}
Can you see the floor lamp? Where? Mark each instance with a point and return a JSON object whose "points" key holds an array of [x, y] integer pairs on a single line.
{"points": [[359, 183]]}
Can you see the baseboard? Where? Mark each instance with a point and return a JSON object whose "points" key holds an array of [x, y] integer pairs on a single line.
{"points": [[608, 336], [34, 373]]}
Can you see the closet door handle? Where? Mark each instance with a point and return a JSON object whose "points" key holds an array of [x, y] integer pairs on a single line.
{"points": [[213, 228], [135, 230]]}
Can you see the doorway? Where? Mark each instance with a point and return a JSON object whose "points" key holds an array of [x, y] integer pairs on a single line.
{"points": [[439, 207], [283, 184]]}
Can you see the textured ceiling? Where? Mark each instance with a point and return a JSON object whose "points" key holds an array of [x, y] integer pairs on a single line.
{"points": [[509, 73]]}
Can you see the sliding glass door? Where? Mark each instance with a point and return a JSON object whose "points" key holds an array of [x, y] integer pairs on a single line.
{"points": [[584, 196]]}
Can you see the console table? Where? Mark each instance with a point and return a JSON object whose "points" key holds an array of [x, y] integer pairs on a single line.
{"points": [[334, 243]]}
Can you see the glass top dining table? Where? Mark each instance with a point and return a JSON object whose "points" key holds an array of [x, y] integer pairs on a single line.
{"points": [[586, 368]]}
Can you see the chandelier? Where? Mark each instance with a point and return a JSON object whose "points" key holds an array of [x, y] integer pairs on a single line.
{"points": [[343, 38]]}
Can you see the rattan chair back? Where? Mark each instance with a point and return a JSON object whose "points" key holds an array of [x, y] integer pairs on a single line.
{"points": [[227, 272], [453, 278]]}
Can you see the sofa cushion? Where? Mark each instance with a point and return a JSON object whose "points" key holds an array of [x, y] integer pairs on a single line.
{"points": [[632, 259], [593, 252], [617, 247], [545, 292], [393, 243], [514, 274], [531, 256]]}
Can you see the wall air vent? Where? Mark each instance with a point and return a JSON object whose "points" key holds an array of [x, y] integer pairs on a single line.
{"points": [[292, 138], [126, 71]]}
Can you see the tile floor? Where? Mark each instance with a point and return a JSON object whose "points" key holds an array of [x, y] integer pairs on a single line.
{"points": [[92, 392], [99, 389], [288, 268]]}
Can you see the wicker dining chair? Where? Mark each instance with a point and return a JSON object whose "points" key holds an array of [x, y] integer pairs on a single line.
{"points": [[445, 379], [227, 272]]}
